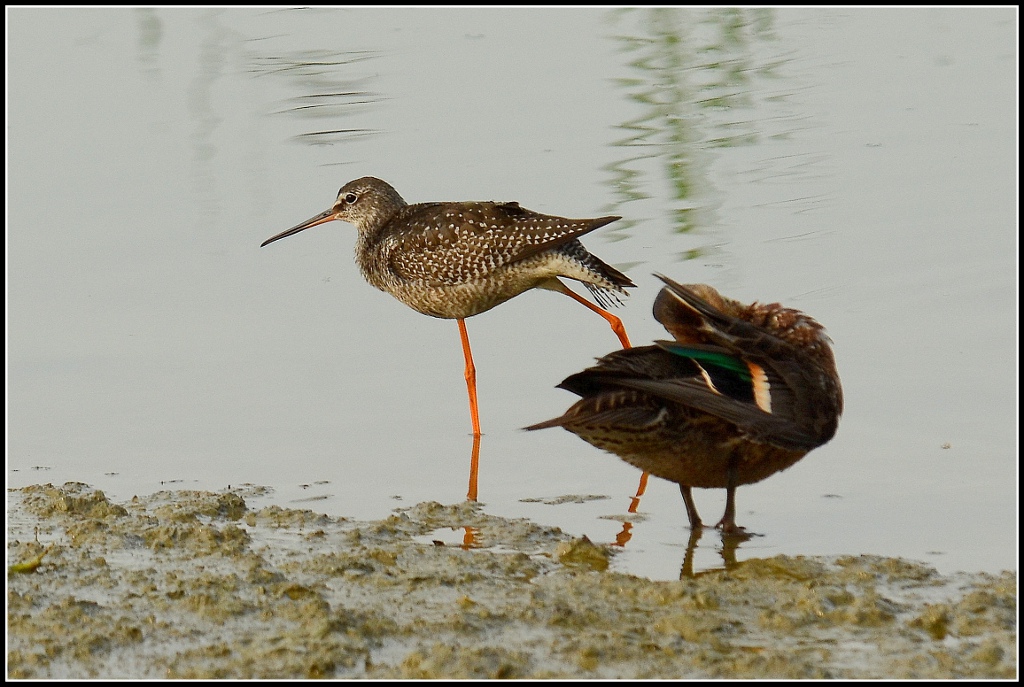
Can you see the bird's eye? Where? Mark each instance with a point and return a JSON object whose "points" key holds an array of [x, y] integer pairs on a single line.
{"points": [[350, 198]]}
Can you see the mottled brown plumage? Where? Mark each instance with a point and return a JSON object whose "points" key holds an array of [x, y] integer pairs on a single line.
{"points": [[743, 392], [456, 260]]}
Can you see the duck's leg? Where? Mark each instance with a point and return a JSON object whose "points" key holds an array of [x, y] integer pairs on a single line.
{"points": [[691, 508], [728, 522], [474, 411]]}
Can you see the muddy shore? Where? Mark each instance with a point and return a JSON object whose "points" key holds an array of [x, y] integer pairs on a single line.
{"points": [[189, 584]]}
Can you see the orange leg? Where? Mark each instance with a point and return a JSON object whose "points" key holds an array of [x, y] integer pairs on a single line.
{"points": [[615, 322], [634, 502], [474, 412], [620, 331], [474, 469]]}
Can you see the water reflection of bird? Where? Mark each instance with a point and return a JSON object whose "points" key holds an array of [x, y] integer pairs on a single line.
{"points": [[456, 260], [743, 392]]}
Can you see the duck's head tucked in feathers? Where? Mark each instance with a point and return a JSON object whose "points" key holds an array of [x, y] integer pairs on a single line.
{"points": [[741, 392]]}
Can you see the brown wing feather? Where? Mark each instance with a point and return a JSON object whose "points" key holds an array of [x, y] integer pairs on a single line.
{"points": [[456, 242], [757, 425]]}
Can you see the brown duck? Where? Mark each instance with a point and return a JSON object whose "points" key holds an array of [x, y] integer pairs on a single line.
{"points": [[743, 392]]}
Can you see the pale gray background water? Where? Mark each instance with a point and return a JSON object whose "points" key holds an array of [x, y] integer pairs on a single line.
{"points": [[857, 164]]}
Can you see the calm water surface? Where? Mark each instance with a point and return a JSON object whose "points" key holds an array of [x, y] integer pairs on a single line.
{"points": [[857, 164]]}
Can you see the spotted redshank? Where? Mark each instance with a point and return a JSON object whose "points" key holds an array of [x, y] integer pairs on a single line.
{"points": [[456, 260], [743, 392]]}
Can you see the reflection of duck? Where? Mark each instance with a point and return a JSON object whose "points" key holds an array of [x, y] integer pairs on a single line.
{"points": [[456, 260], [743, 392]]}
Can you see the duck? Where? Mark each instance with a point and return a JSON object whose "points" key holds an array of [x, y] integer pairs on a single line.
{"points": [[741, 392]]}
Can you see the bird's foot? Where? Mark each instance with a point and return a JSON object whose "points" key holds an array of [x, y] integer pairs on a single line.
{"points": [[731, 530]]}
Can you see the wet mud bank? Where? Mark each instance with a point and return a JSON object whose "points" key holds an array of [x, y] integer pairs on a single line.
{"points": [[191, 584]]}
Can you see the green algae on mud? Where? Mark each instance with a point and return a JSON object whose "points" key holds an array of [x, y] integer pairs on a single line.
{"points": [[194, 585]]}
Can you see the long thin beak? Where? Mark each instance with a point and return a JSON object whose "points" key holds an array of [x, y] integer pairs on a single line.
{"points": [[325, 216]]}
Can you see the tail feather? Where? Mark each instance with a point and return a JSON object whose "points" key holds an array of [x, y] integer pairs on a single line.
{"points": [[609, 283]]}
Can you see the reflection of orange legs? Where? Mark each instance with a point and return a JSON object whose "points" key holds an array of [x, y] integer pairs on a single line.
{"points": [[471, 539], [634, 503], [474, 411]]}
